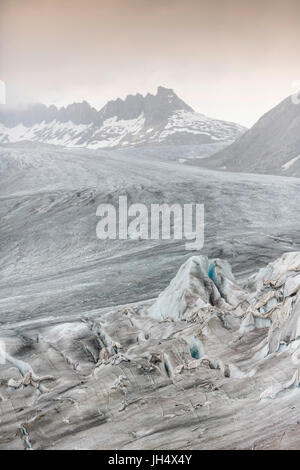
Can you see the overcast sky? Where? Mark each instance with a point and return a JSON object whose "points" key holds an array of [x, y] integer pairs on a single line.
{"points": [[229, 59]]}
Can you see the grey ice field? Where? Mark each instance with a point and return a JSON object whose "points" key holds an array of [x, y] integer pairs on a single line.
{"points": [[52, 263], [93, 360]]}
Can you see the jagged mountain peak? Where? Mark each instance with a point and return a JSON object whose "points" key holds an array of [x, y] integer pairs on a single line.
{"points": [[79, 113], [154, 107]]}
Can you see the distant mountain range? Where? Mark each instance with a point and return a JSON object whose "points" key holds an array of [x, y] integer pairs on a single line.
{"points": [[271, 146], [161, 119]]}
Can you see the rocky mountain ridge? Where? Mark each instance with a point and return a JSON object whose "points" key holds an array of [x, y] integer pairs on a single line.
{"points": [[137, 120]]}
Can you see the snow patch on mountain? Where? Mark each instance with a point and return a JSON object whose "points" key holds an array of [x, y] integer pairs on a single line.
{"points": [[290, 163]]}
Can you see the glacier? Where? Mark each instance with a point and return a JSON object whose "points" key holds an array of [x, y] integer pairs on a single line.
{"points": [[124, 344], [209, 374]]}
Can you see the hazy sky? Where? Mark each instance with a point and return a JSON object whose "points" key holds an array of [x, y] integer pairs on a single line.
{"points": [[229, 59]]}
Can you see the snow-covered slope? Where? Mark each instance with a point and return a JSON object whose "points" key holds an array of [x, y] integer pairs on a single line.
{"points": [[154, 119]]}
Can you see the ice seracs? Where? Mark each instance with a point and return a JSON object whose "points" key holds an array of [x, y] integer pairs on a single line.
{"points": [[199, 283]]}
